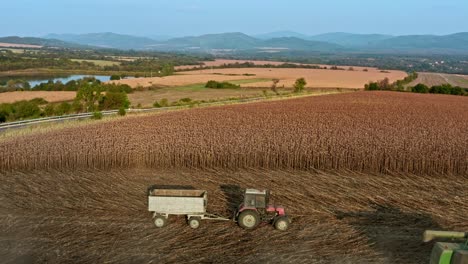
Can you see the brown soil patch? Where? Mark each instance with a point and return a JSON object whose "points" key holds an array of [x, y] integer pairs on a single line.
{"points": [[179, 80], [52, 96], [314, 77], [96, 216]]}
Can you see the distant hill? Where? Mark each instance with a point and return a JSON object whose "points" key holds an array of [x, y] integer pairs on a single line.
{"points": [[211, 41], [350, 40], [419, 43], [106, 40], [280, 41], [293, 43], [281, 34], [39, 41], [240, 41]]}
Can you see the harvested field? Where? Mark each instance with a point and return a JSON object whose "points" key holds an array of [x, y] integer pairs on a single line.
{"points": [[101, 63], [147, 98], [94, 216], [52, 96], [315, 78], [14, 45], [432, 79], [362, 131], [221, 62], [179, 80], [79, 194]]}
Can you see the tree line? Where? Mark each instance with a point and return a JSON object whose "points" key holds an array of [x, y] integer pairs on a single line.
{"points": [[92, 96], [385, 85]]}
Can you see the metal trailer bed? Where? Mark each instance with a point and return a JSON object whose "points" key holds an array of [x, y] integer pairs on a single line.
{"points": [[191, 203]]}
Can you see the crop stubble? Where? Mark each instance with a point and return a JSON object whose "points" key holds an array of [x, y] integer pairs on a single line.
{"points": [[390, 166]]}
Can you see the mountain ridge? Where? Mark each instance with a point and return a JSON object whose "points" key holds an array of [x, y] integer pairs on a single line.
{"points": [[237, 41]]}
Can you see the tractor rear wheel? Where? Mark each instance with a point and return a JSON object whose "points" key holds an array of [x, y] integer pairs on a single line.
{"points": [[249, 219], [160, 221], [194, 222], [282, 223]]}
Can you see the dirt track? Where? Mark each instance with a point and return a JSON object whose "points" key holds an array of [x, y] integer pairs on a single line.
{"points": [[100, 216]]}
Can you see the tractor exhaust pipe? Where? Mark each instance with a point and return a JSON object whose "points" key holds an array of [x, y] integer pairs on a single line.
{"points": [[430, 235]]}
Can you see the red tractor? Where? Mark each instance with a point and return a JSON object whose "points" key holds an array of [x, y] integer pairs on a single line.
{"points": [[255, 209]]}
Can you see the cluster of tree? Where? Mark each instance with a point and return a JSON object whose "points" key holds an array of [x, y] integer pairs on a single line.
{"points": [[439, 89], [221, 85], [75, 85], [253, 65], [91, 96], [387, 86], [14, 85], [21, 110], [456, 64], [156, 64]]}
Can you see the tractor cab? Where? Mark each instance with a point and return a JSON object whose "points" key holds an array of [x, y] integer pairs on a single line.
{"points": [[256, 199]]}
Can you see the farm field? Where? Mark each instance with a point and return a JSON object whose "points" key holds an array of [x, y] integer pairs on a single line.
{"points": [[337, 217], [99, 62], [432, 79], [194, 92], [179, 80], [314, 77], [49, 96], [14, 45], [221, 62], [362, 131], [362, 175]]}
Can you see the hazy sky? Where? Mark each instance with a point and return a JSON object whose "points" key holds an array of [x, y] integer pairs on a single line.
{"points": [[194, 17]]}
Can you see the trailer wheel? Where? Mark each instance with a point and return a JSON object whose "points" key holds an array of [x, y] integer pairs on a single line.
{"points": [[249, 219], [194, 222], [160, 221], [282, 223]]}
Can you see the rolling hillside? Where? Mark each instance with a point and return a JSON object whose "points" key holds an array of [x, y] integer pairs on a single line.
{"points": [[282, 40], [105, 40]]}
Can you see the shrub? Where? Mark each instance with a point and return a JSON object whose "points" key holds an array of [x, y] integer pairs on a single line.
{"points": [[39, 101], [97, 115], [122, 111], [164, 102], [26, 109], [115, 77], [63, 108], [114, 100], [420, 88], [49, 110], [299, 85], [221, 85], [186, 100]]}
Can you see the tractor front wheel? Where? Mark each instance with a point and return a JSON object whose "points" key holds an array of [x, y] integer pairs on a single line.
{"points": [[282, 223], [249, 219]]}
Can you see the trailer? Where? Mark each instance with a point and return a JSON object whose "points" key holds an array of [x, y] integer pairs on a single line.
{"points": [[190, 203]]}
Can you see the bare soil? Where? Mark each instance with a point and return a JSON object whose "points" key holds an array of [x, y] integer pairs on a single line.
{"points": [[92, 216], [52, 96], [315, 78]]}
